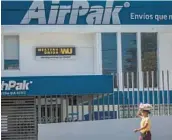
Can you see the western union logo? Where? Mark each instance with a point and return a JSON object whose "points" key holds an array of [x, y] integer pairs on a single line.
{"points": [[55, 51]]}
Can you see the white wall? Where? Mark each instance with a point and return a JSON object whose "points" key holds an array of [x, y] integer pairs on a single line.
{"points": [[165, 50], [82, 36], [105, 130], [83, 63], [11, 29], [165, 57]]}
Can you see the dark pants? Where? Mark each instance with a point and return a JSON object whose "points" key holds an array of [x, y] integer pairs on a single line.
{"points": [[145, 136]]}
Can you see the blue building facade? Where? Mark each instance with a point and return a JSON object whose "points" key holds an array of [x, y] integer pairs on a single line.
{"points": [[122, 49]]}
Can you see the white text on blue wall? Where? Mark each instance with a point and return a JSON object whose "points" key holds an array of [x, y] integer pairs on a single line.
{"points": [[96, 14], [13, 85]]}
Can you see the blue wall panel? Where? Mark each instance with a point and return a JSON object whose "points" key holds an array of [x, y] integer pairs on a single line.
{"points": [[109, 12], [158, 97]]}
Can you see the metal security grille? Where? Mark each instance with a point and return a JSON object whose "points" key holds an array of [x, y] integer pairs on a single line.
{"points": [[130, 89], [73, 108], [18, 118]]}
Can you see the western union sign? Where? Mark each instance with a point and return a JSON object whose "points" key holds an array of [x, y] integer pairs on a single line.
{"points": [[55, 52]]}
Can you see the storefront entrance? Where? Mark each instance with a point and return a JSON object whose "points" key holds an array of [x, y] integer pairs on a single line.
{"points": [[29, 101]]}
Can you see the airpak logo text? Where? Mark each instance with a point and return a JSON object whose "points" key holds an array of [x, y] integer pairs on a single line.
{"points": [[60, 14], [14, 85]]}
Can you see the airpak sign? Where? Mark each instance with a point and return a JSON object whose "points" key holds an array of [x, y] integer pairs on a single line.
{"points": [[56, 85], [92, 12], [58, 14], [55, 52], [13, 87]]}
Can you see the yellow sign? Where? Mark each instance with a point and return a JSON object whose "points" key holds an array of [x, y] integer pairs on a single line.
{"points": [[55, 51]]}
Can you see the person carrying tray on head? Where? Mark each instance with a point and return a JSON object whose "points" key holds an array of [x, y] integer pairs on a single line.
{"points": [[145, 124]]}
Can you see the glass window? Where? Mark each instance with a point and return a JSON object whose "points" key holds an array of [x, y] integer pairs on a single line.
{"points": [[129, 59], [11, 52], [109, 54], [149, 58], [72, 100]]}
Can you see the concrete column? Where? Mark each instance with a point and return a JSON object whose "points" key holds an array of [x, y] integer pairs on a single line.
{"points": [[98, 54]]}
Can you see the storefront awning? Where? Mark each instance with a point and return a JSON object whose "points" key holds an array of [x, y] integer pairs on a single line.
{"points": [[56, 85]]}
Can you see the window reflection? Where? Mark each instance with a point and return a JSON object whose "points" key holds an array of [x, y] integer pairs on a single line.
{"points": [[11, 52], [129, 59], [109, 54], [149, 58]]}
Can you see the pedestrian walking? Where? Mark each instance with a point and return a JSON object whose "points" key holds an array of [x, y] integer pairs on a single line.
{"points": [[145, 124]]}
